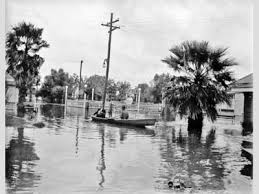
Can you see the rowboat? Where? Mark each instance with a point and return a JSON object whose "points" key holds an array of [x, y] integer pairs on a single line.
{"points": [[126, 122]]}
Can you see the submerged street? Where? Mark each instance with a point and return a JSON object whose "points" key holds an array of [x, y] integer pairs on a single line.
{"points": [[72, 154]]}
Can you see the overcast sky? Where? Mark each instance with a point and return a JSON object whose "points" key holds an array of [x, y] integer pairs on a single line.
{"points": [[149, 28]]}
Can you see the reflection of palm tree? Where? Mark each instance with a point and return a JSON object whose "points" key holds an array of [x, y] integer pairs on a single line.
{"points": [[193, 160], [210, 138], [19, 151], [101, 165], [203, 162]]}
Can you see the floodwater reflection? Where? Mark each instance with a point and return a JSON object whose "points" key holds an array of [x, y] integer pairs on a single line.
{"points": [[20, 157], [101, 164], [74, 155]]}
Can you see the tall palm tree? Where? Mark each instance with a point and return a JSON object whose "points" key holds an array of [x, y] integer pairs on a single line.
{"points": [[202, 83], [23, 43]]}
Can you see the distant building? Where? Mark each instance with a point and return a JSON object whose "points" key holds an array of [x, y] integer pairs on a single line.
{"points": [[243, 99], [11, 92]]}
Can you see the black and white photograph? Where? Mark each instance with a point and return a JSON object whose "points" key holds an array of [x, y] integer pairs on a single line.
{"points": [[128, 97]]}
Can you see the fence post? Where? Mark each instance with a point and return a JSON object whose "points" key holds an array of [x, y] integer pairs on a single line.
{"points": [[92, 94], [84, 99], [66, 96]]}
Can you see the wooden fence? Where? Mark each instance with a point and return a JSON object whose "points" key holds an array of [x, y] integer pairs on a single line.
{"points": [[144, 108]]}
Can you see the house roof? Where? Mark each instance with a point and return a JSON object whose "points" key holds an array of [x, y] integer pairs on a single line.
{"points": [[244, 82]]}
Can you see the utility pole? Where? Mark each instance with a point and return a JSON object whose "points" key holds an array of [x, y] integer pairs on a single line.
{"points": [[80, 78], [111, 28], [139, 91]]}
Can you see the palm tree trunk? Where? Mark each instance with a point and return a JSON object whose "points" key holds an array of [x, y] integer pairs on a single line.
{"points": [[22, 94], [195, 125], [21, 100], [30, 95]]}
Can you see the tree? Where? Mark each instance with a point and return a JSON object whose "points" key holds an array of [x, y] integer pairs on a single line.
{"points": [[73, 84], [203, 81], [159, 82], [112, 89], [97, 82], [54, 84], [145, 92], [124, 89], [57, 93], [23, 43]]}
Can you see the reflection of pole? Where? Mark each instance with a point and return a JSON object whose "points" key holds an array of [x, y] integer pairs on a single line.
{"points": [[77, 129], [102, 166], [139, 90], [92, 93], [77, 139]]}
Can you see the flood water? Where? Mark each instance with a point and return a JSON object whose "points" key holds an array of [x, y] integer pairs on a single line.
{"points": [[71, 154]]}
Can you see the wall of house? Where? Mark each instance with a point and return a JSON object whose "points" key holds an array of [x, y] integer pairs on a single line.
{"points": [[239, 107], [11, 95], [243, 107], [248, 107]]}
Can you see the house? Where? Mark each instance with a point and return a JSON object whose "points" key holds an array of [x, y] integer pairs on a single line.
{"points": [[11, 92], [242, 90], [241, 108]]}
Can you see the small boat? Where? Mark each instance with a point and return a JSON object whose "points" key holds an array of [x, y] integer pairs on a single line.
{"points": [[128, 122]]}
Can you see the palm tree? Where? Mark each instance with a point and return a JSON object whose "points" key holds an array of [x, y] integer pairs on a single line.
{"points": [[202, 83], [23, 43]]}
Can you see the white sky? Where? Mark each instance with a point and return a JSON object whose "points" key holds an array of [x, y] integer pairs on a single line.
{"points": [[149, 28]]}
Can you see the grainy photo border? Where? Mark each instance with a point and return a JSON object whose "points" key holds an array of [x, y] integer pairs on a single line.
{"points": [[256, 96], [255, 59], [2, 105]]}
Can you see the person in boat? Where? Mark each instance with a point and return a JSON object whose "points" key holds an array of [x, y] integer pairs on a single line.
{"points": [[100, 113], [95, 114], [124, 113]]}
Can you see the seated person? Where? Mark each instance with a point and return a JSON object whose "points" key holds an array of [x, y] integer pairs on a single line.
{"points": [[100, 113], [124, 113]]}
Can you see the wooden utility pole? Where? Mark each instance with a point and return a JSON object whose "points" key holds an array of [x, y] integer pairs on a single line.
{"points": [[111, 28], [80, 78]]}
